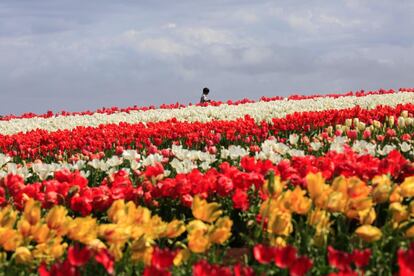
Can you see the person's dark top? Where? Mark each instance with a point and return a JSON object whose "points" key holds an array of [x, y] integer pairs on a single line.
{"points": [[204, 99]]}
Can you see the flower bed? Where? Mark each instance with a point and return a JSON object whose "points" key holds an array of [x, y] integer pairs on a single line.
{"points": [[322, 192]]}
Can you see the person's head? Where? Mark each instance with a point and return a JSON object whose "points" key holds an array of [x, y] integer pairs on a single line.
{"points": [[206, 91]]}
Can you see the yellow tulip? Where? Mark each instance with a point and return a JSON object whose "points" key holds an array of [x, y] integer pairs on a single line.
{"points": [[57, 248], [10, 239], [181, 257], [198, 241], [368, 233], [367, 216], [113, 233], [315, 184], [299, 203], [116, 251], [407, 187], [359, 204], [32, 211], [40, 233], [57, 220], [357, 188], [320, 238], [340, 184], [319, 218], [381, 193], [142, 250], [24, 227], [275, 187], [204, 211], [174, 229], [96, 245], [336, 202], [155, 227], [381, 180], [399, 213], [116, 213], [221, 230], [280, 223], [50, 251], [411, 206], [140, 216], [23, 255], [409, 233], [278, 242], [83, 230], [395, 195], [318, 189], [196, 225], [8, 217]]}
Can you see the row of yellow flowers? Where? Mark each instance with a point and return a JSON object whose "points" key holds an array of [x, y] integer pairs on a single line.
{"points": [[350, 196], [37, 236]]}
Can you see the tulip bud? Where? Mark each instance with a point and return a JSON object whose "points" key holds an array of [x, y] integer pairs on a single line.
{"points": [[401, 122], [345, 128], [366, 134], [361, 126], [391, 121], [368, 233], [329, 130], [356, 121], [348, 122], [376, 124], [404, 114]]}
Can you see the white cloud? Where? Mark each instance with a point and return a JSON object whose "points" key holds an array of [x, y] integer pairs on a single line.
{"points": [[256, 55], [170, 25], [246, 16], [206, 35], [304, 21], [163, 46], [155, 43]]}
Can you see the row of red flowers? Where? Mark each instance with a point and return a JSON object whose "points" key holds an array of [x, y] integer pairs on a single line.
{"points": [[284, 258], [72, 189], [40, 143]]}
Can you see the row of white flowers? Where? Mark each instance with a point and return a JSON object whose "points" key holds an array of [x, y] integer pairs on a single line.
{"points": [[259, 111], [184, 161]]}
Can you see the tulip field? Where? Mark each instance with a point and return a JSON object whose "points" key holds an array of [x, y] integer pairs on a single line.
{"points": [[299, 185]]}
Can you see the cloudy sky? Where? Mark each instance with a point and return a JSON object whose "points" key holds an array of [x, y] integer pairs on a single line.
{"points": [[75, 55]]}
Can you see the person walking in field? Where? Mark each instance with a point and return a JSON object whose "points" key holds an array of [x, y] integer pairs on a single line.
{"points": [[204, 97]]}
